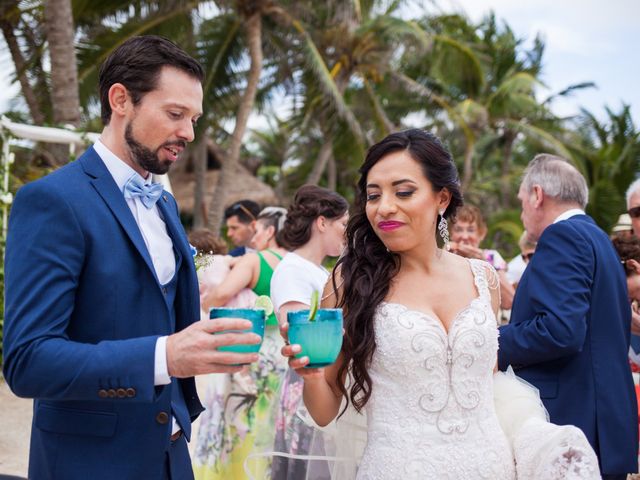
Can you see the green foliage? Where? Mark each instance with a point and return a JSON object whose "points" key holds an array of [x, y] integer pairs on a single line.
{"points": [[608, 155], [503, 232], [345, 74]]}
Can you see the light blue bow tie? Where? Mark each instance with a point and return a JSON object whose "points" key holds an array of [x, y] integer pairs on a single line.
{"points": [[149, 194]]}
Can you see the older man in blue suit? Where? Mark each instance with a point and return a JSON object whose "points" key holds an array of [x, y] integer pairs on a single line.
{"points": [[570, 322], [102, 308]]}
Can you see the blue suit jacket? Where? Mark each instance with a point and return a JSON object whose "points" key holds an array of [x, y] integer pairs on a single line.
{"points": [[569, 336], [83, 312]]}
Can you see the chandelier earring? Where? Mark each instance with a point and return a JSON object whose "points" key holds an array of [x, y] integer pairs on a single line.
{"points": [[443, 230]]}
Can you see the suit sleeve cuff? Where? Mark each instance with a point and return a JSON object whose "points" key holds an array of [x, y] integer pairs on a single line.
{"points": [[160, 371]]}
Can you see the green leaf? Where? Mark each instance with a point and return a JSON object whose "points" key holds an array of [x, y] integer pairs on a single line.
{"points": [[313, 307]]}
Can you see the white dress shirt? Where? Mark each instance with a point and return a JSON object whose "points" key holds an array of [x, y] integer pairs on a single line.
{"points": [[156, 238], [568, 214]]}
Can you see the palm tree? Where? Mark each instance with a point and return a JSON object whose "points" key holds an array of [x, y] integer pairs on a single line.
{"points": [[359, 44], [64, 73], [251, 13], [484, 81], [608, 155], [10, 19]]}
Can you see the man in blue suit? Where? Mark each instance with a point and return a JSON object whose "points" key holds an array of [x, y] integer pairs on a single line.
{"points": [[102, 308], [570, 322]]}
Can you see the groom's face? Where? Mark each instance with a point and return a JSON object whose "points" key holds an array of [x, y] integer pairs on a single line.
{"points": [[162, 123]]}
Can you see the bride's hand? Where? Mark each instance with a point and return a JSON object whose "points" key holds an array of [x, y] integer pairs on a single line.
{"points": [[291, 350]]}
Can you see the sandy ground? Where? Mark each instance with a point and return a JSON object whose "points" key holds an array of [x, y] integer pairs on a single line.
{"points": [[15, 418]]}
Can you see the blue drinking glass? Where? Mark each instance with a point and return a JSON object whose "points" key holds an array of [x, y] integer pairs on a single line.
{"points": [[257, 318], [321, 339]]}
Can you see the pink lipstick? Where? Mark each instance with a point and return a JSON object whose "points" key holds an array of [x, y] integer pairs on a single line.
{"points": [[388, 226]]}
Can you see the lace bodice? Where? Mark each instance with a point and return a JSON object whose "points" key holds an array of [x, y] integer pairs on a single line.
{"points": [[431, 412]]}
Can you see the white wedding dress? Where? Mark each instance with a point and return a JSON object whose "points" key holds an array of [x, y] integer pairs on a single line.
{"points": [[431, 413], [438, 411]]}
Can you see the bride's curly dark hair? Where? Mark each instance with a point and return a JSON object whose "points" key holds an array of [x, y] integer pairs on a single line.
{"points": [[367, 267]]}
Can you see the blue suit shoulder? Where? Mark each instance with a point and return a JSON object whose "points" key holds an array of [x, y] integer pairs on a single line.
{"points": [[61, 179], [578, 232]]}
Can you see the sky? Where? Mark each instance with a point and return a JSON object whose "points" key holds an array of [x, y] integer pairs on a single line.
{"points": [[586, 40]]}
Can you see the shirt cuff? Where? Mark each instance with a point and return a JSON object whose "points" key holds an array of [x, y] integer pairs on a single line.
{"points": [[160, 371]]}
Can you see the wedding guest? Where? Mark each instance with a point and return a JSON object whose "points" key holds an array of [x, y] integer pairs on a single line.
{"points": [[313, 231], [570, 322], [238, 406], [628, 249], [101, 325], [207, 242], [240, 219], [633, 205], [212, 266], [623, 226], [468, 230], [420, 339], [518, 264]]}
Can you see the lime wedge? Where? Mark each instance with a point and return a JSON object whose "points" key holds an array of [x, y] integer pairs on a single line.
{"points": [[264, 302], [313, 308]]}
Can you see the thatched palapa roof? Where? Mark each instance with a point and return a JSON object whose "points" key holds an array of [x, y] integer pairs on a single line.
{"points": [[242, 185]]}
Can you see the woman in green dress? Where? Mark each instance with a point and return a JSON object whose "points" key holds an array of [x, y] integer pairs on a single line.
{"points": [[238, 406]]}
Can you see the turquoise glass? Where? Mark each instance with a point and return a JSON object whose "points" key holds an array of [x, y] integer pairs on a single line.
{"points": [[320, 340], [257, 318]]}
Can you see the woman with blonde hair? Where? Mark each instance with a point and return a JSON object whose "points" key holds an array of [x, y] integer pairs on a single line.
{"points": [[239, 406], [468, 230]]}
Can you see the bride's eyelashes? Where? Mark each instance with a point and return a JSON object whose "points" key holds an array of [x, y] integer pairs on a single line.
{"points": [[371, 197], [405, 194]]}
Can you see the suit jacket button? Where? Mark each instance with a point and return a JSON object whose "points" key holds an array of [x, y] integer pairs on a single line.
{"points": [[112, 393], [164, 291], [162, 418], [131, 392], [102, 393], [121, 392]]}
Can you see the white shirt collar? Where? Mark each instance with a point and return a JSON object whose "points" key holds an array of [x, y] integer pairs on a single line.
{"points": [[119, 170], [568, 214]]}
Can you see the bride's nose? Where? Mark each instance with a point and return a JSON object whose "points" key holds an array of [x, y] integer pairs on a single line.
{"points": [[387, 205]]}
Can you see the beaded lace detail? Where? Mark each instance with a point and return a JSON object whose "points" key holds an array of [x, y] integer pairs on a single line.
{"points": [[431, 413]]}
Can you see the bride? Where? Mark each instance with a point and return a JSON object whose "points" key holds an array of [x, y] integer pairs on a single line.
{"points": [[420, 343]]}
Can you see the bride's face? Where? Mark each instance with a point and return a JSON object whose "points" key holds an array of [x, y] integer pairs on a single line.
{"points": [[402, 206]]}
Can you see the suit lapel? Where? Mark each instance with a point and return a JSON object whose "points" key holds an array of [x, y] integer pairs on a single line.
{"points": [[174, 227], [187, 299], [106, 187]]}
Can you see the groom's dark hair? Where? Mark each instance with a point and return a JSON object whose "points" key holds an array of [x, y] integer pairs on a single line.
{"points": [[136, 64]]}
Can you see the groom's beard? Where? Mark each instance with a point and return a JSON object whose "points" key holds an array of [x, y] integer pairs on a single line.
{"points": [[145, 157]]}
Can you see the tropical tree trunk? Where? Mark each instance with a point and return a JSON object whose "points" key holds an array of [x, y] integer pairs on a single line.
{"points": [[59, 30], [7, 24], [326, 152], [254, 41], [505, 183], [199, 156], [35, 46], [467, 173], [332, 174]]}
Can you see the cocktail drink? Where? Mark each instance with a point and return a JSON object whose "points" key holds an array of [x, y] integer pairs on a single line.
{"points": [[320, 338], [256, 316]]}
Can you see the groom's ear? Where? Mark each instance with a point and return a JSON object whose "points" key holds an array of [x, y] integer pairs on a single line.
{"points": [[119, 99]]}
